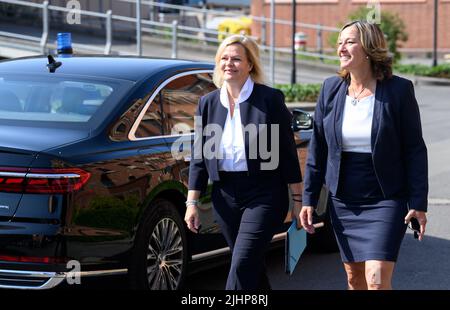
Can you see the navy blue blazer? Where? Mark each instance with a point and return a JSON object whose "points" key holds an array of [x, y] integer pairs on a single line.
{"points": [[265, 106], [398, 149]]}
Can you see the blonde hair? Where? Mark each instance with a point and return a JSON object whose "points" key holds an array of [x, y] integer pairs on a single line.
{"points": [[375, 46], [252, 53]]}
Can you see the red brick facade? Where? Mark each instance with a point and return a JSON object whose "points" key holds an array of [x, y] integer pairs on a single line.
{"points": [[416, 14]]}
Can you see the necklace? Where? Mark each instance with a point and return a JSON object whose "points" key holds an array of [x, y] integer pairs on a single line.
{"points": [[355, 98]]}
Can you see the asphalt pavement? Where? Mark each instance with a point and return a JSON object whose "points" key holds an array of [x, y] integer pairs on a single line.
{"points": [[422, 265]]}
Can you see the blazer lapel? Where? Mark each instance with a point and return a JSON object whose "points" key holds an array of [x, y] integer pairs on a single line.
{"points": [[376, 119], [219, 116], [244, 108], [245, 111], [339, 103]]}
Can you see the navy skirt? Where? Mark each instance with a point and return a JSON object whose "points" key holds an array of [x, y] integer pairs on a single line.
{"points": [[367, 225]]}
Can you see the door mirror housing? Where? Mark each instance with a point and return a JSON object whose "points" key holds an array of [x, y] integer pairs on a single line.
{"points": [[301, 120]]}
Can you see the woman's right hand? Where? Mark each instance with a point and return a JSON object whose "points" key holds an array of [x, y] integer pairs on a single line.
{"points": [[306, 215], [192, 219]]}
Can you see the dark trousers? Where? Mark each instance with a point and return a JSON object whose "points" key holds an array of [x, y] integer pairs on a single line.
{"points": [[249, 210]]}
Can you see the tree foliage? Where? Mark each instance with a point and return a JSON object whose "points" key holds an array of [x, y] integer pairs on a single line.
{"points": [[391, 24]]}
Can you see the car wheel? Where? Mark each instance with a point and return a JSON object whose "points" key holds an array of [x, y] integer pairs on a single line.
{"points": [[159, 258]]}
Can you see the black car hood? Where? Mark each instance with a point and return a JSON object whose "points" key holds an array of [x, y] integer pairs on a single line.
{"points": [[36, 139]]}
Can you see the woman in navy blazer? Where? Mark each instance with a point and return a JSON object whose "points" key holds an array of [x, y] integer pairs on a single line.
{"points": [[367, 147], [245, 145]]}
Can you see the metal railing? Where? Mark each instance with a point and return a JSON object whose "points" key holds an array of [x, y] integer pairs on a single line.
{"points": [[320, 29], [172, 29], [43, 40], [169, 26]]}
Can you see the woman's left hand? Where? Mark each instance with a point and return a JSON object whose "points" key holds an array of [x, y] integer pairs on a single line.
{"points": [[421, 218]]}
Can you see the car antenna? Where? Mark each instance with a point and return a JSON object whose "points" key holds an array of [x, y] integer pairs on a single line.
{"points": [[53, 64]]}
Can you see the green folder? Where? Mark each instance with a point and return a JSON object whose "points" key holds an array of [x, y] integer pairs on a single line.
{"points": [[295, 244]]}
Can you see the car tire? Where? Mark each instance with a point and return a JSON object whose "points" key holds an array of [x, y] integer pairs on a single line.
{"points": [[160, 254]]}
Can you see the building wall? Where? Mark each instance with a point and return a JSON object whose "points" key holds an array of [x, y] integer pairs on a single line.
{"points": [[416, 14]]}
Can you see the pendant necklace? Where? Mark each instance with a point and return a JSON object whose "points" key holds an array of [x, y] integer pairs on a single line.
{"points": [[355, 98]]}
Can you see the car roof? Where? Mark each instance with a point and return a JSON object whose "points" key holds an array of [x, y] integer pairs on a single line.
{"points": [[130, 68]]}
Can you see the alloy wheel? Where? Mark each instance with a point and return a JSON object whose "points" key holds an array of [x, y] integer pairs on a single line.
{"points": [[165, 256]]}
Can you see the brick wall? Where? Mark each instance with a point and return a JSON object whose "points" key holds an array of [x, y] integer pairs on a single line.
{"points": [[416, 14]]}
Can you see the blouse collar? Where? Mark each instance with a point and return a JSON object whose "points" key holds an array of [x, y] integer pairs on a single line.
{"points": [[245, 93]]}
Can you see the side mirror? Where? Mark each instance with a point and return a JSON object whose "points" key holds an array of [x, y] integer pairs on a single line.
{"points": [[301, 120]]}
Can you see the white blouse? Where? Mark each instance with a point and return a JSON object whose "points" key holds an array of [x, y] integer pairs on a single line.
{"points": [[357, 125], [232, 146]]}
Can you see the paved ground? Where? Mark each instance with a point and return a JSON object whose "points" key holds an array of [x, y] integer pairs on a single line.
{"points": [[435, 111], [421, 265]]}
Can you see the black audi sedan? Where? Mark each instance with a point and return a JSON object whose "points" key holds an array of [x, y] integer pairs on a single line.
{"points": [[89, 180]]}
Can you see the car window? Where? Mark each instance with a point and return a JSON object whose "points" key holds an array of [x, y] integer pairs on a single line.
{"points": [[51, 100], [151, 124], [180, 98], [172, 111]]}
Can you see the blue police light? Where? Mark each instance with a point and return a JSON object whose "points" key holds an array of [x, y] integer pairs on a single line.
{"points": [[64, 43]]}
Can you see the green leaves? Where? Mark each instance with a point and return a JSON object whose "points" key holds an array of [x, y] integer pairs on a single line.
{"points": [[300, 92], [391, 24], [441, 71]]}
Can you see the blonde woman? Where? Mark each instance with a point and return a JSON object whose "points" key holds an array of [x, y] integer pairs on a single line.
{"points": [[250, 189], [367, 147]]}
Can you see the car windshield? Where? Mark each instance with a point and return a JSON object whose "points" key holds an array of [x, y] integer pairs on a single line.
{"points": [[60, 99]]}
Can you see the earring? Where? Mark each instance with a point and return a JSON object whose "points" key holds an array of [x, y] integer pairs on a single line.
{"points": [[367, 57]]}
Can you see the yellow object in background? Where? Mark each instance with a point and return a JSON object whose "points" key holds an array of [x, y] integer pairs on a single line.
{"points": [[447, 58], [241, 25]]}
